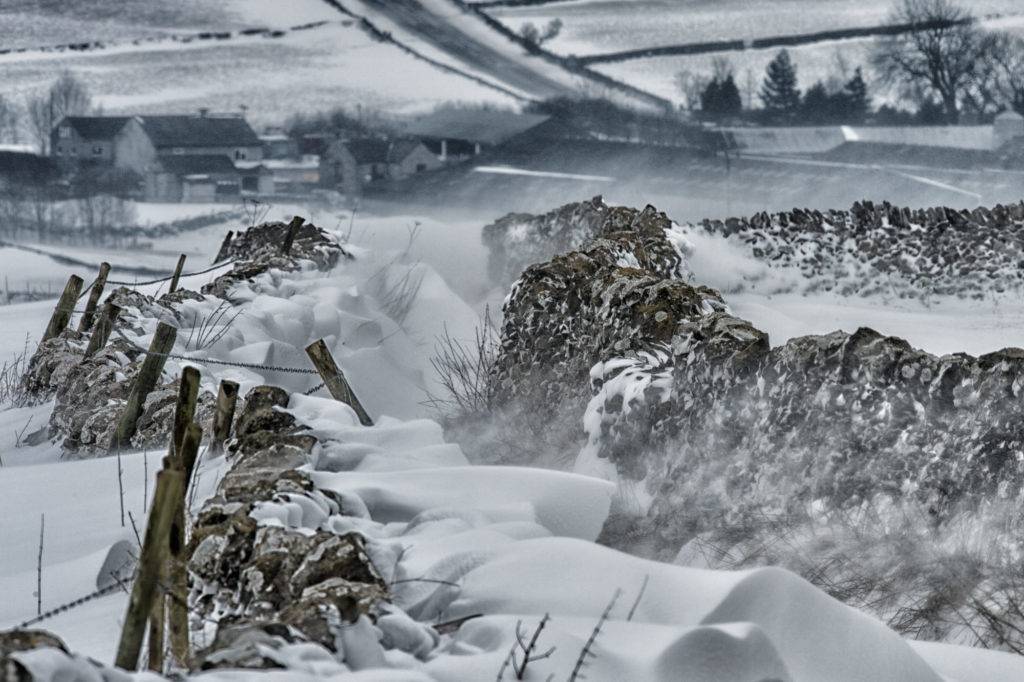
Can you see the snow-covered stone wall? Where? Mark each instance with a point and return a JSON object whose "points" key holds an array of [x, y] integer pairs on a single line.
{"points": [[889, 250], [677, 385]]}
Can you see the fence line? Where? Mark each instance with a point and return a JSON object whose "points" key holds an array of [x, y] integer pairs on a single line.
{"points": [[213, 361], [171, 276]]}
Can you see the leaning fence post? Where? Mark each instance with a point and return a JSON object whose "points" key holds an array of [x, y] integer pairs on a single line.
{"points": [[225, 245], [177, 600], [101, 332], [289, 237], [223, 417], [94, 298], [169, 484], [177, 274], [335, 380], [65, 306], [145, 382]]}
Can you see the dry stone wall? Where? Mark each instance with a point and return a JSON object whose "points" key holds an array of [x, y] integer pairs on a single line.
{"points": [[890, 250], [90, 393], [678, 387]]}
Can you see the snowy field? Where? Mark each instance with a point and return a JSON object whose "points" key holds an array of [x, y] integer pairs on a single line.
{"points": [[597, 26], [322, 68]]}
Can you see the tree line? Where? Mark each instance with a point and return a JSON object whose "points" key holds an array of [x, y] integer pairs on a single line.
{"points": [[66, 96], [947, 69]]}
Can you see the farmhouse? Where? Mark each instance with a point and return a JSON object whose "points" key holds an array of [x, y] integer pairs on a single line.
{"points": [[353, 164], [134, 142], [207, 146]]}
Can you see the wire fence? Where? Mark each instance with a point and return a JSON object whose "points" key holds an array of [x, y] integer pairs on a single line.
{"points": [[213, 361], [183, 275]]}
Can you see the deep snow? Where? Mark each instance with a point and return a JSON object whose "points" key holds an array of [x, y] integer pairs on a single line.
{"points": [[517, 542]]}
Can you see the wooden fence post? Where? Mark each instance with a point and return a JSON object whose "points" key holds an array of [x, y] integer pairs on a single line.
{"points": [[177, 274], [169, 484], [177, 604], [145, 381], [184, 411], [65, 306], [289, 238], [335, 380], [222, 254], [85, 324], [224, 416], [101, 332]]}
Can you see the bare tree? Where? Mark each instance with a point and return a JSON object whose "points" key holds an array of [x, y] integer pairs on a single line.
{"points": [[691, 85], [1005, 71], [67, 96], [940, 54]]}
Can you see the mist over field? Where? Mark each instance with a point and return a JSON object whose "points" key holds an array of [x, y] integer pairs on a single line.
{"points": [[512, 339]]}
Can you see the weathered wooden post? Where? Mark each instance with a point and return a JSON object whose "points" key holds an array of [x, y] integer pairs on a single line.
{"points": [[224, 416], [145, 381], [222, 253], [85, 324], [169, 484], [184, 411], [177, 274], [289, 238], [177, 604], [65, 306], [335, 380], [101, 332]]}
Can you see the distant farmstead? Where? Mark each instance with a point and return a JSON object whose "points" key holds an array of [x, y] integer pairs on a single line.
{"points": [[208, 147], [354, 164]]}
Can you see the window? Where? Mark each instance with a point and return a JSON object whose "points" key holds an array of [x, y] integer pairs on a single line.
{"points": [[97, 150], [239, 154], [420, 167], [65, 131]]}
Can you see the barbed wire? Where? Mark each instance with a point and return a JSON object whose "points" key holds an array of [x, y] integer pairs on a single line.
{"points": [[86, 290], [120, 583], [221, 264], [316, 388], [213, 361]]}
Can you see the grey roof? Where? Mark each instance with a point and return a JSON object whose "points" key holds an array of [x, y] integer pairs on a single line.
{"points": [[378, 150], [196, 164], [486, 126], [96, 127], [199, 131]]}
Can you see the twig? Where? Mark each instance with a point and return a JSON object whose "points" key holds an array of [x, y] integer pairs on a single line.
{"points": [[639, 596], [528, 656], [120, 484], [587, 648], [39, 567]]}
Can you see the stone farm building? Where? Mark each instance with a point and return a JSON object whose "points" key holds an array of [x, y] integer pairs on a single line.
{"points": [[353, 164], [193, 157]]}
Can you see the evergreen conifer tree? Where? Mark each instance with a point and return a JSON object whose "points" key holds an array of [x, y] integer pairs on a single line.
{"points": [[778, 91]]}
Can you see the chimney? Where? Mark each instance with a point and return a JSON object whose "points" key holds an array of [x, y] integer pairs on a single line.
{"points": [[444, 150], [204, 112]]}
